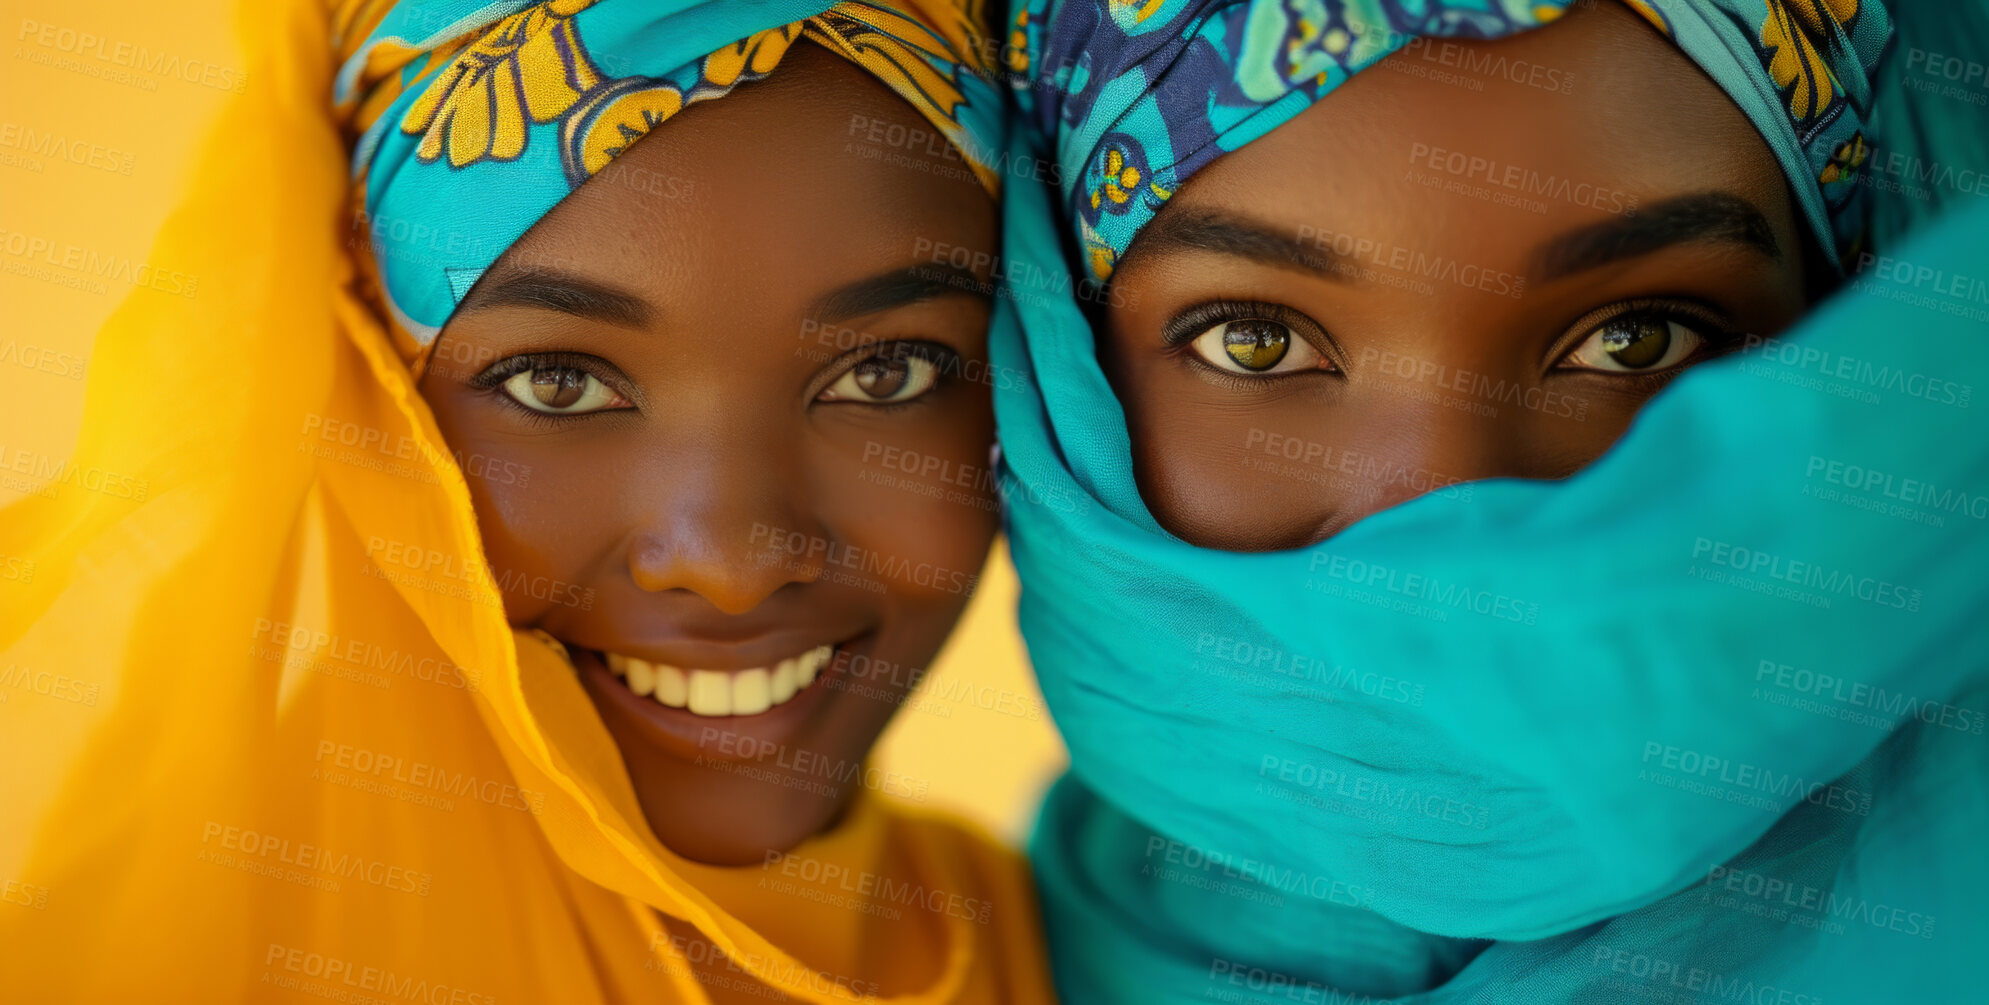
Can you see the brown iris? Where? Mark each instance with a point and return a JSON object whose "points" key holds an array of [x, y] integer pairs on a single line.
{"points": [[1637, 342], [882, 376], [558, 387], [1256, 344]]}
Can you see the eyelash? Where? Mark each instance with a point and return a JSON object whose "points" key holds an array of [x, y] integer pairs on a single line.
{"points": [[1182, 331], [945, 362], [492, 380], [1719, 334]]}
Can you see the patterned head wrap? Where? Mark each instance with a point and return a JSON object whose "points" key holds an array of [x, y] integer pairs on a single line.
{"points": [[1136, 97], [475, 118]]}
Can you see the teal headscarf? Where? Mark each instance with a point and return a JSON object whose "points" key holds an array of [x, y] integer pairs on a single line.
{"points": [[475, 118], [1692, 725]]}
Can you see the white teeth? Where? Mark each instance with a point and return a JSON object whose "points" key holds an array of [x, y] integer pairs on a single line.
{"points": [[721, 692], [810, 663], [784, 682], [672, 688], [752, 692], [711, 693], [641, 677]]}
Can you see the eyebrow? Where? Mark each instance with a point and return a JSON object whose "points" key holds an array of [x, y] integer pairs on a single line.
{"points": [[900, 287], [1225, 234], [558, 291], [1717, 217]]}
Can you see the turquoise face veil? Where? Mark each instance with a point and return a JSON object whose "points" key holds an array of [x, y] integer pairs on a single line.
{"points": [[1702, 722]]}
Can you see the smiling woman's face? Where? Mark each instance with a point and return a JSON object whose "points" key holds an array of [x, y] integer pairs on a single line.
{"points": [[1436, 275], [729, 445]]}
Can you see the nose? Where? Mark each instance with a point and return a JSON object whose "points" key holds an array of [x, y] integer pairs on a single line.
{"points": [[1420, 443], [725, 517]]}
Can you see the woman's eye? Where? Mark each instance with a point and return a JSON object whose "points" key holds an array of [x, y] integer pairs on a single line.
{"points": [[1256, 346], [561, 390], [886, 378], [1636, 343]]}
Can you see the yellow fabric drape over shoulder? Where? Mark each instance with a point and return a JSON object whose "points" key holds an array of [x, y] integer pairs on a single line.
{"points": [[275, 740]]}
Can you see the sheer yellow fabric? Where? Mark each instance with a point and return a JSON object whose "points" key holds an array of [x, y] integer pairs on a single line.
{"points": [[273, 737]]}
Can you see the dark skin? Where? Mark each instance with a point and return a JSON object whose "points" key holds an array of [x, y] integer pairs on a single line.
{"points": [[1360, 315], [703, 359]]}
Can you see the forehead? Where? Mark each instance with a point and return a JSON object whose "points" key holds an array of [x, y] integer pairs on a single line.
{"points": [[816, 174], [1497, 145]]}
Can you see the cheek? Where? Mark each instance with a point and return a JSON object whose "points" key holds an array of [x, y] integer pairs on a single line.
{"points": [[913, 496], [1248, 479], [1220, 469], [534, 502]]}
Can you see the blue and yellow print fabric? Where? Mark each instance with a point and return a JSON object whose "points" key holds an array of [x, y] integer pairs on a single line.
{"points": [[1132, 98], [474, 119]]}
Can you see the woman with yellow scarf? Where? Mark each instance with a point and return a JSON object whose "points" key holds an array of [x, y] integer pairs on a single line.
{"points": [[501, 612]]}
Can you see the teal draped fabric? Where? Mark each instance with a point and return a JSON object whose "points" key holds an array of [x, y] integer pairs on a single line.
{"points": [[1704, 722]]}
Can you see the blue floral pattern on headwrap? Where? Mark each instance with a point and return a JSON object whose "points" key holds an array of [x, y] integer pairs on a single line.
{"points": [[1134, 97]]}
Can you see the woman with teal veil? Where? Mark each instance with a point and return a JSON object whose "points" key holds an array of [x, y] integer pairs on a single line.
{"points": [[1689, 725]]}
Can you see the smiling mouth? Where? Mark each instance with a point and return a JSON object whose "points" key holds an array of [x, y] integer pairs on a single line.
{"points": [[716, 693]]}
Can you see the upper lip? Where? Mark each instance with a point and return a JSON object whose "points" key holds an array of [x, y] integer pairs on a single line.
{"points": [[704, 654]]}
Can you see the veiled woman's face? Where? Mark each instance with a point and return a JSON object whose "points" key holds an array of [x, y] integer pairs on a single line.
{"points": [[1472, 260], [743, 381]]}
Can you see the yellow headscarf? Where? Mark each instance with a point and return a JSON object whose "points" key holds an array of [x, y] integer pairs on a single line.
{"points": [[273, 738]]}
